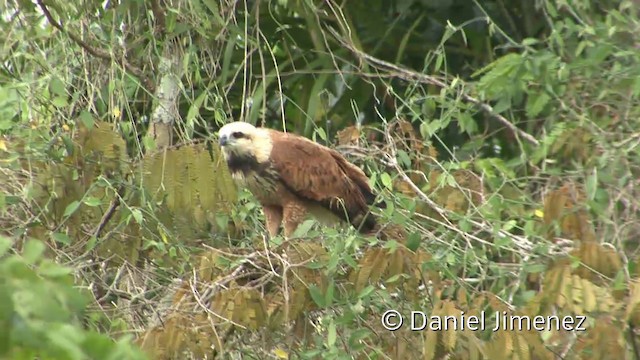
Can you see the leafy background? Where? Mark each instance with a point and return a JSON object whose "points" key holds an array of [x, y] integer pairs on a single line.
{"points": [[502, 135]]}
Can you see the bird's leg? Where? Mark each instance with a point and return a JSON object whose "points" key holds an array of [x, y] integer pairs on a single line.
{"points": [[273, 218], [294, 215]]}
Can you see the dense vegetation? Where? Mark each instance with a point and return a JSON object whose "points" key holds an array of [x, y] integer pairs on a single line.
{"points": [[503, 136]]}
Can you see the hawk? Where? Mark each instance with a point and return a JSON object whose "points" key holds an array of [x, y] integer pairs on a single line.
{"points": [[292, 177]]}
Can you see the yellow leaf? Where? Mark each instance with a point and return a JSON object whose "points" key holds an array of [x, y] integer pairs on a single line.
{"points": [[539, 213], [66, 127], [449, 337], [3, 145], [116, 112], [281, 354], [429, 343]]}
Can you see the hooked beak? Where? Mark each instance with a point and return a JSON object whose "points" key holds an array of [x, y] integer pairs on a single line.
{"points": [[223, 140]]}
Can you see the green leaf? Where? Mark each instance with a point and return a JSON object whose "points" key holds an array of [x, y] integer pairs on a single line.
{"points": [[501, 78], [71, 208], [465, 225], [386, 180], [303, 228], [91, 243], [6, 319], [502, 241], [316, 108], [373, 180], [413, 241], [403, 158], [6, 124], [60, 101], [87, 119], [405, 39], [358, 335], [194, 109], [32, 251], [508, 225], [530, 41], [467, 123], [328, 296], [393, 279], [226, 61], [67, 338], [57, 87], [137, 215], [536, 103], [61, 238], [620, 282], [502, 65], [215, 11], [332, 335], [5, 245], [366, 291], [51, 269], [316, 295], [592, 185], [323, 135], [92, 201], [534, 268], [502, 105], [12, 200], [439, 62]]}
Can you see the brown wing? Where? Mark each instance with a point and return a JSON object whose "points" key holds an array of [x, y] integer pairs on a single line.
{"points": [[316, 173]]}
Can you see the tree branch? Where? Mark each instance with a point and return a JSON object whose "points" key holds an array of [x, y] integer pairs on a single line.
{"points": [[158, 13], [411, 75], [99, 53]]}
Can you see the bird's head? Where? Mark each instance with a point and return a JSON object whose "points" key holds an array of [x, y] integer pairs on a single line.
{"points": [[243, 140]]}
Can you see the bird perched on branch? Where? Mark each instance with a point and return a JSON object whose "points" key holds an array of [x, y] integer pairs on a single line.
{"points": [[292, 176]]}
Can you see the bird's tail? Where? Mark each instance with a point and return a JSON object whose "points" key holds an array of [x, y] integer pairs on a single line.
{"points": [[370, 225], [370, 198]]}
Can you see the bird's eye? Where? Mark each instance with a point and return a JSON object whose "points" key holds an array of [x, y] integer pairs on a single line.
{"points": [[237, 135]]}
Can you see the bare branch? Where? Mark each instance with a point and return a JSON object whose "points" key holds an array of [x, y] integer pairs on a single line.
{"points": [[411, 75], [99, 53]]}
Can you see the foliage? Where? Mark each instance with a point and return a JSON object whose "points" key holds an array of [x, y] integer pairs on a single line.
{"points": [[503, 137], [41, 311]]}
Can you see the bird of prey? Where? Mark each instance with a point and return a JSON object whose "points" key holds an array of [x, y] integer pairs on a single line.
{"points": [[292, 176]]}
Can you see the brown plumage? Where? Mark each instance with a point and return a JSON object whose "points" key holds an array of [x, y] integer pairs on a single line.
{"points": [[292, 176]]}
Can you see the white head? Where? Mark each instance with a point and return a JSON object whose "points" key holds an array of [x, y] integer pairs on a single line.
{"points": [[244, 140]]}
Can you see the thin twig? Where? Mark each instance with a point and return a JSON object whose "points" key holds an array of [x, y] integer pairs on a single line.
{"points": [[99, 53], [411, 75], [198, 298], [521, 242], [109, 213]]}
